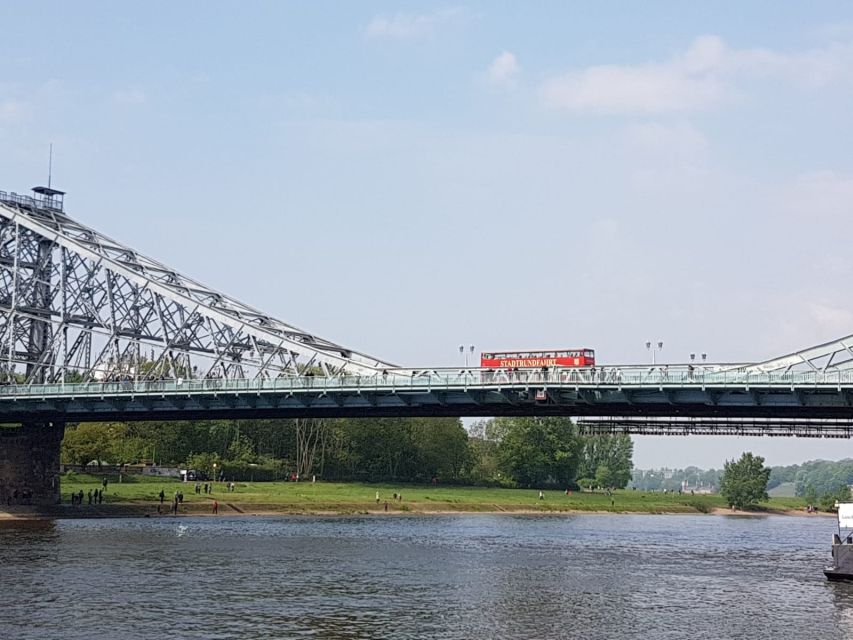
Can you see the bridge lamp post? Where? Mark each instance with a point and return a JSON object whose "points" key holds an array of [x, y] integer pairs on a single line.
{"points": [[654, 347], [693, 357], [462, 351]]}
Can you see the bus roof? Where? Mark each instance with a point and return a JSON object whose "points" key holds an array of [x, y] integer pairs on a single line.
{"points": [[535, 350]]}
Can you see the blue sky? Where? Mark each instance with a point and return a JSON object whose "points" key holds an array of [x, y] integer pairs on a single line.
{"points": [[407, 177]]}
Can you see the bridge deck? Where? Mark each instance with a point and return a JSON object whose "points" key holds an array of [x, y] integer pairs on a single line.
{"points": [[634, 400]]}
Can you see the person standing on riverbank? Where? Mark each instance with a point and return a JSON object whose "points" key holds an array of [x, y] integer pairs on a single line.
{"points": [[215, 507]]}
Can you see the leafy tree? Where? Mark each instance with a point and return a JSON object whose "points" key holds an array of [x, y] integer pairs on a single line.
{"points": [[241, 450], [442, 446], [810, 494], [539, 451], [744, 483], [382, 448], [495, 430], [604, 476], [613, 453], [820, 477], [586, 483], [478, 429], [840, 494], [90, 441], [484, 466], [204, 463]]}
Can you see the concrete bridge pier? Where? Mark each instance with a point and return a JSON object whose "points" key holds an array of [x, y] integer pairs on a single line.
{"points": [[29, 464]]}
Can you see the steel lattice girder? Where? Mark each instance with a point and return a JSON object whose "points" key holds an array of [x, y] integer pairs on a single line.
{"points": [[75, 304], [680, 426], [836, 355]]}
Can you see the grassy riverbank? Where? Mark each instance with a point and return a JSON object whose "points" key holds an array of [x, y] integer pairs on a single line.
{"points": [[141, 495]]}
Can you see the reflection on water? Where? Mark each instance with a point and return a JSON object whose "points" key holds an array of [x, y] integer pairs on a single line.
{"points": [[422, 577]]}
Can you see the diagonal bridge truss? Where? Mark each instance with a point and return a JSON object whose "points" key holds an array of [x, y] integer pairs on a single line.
{"points": [[77, 306]]}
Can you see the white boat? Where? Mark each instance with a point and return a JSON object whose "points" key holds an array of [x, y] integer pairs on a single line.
{"points": [[842, 545]]}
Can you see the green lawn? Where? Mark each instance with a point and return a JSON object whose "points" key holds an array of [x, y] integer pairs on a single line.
{"points": [[355, 497]]}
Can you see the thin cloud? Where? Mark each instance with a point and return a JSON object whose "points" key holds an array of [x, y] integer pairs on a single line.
{"points": [[820, 195], [680, 140], [504, 70], [704, 76], [12, 111], [132, 96], [405, 26]]}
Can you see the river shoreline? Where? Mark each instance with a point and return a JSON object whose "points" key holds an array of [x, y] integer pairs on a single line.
{"points": [[142, 497], [232, 509]]}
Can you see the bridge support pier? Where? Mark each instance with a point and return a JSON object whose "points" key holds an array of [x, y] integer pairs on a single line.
{"points": [[29, 464]]}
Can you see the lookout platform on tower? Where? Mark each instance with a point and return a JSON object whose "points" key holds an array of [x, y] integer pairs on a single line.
{"points": [[49, 198]]}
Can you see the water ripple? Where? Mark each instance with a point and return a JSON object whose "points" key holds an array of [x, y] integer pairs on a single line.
{"points": [[595, 576]]}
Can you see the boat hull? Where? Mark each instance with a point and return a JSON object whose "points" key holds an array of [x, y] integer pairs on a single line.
{"points": [[842, 560], [836, 575]]}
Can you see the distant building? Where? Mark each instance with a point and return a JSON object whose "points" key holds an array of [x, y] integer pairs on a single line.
{"points": [[699, 489]]}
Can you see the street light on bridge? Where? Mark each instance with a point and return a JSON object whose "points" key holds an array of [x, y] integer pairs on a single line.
{"points": [[653, 347], [462, 351], [702, 355]]}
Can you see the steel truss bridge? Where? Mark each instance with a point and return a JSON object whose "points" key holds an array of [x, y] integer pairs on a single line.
{"points": [[92, 330]]}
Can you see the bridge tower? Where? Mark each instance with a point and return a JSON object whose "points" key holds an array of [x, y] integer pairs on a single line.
{"points": [[29, 453]]}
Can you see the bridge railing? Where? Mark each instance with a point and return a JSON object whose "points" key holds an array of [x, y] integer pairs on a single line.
{"points": [[28, 201], [442, 379]]}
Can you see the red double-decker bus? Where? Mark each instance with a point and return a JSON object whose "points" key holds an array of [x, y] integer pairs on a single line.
{"points": [[537, 359]]}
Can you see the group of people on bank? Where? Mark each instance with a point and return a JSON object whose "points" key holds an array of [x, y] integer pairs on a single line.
{"points": [[178, 498], [95, 496]]}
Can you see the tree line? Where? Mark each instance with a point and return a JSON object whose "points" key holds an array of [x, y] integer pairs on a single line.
{"points": [[745, 482], [816, 480], [810, 480], [527, 452]]}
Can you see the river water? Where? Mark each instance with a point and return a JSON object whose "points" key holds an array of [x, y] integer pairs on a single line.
{"points": [[479, 576]]}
